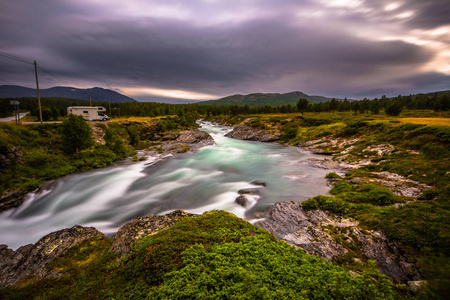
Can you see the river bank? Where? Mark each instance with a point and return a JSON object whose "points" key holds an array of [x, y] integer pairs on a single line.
{"points": [[373, 213], [389, 178]]}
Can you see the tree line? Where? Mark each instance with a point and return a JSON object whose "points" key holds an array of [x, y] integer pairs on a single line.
{"points": [[54, 107]]}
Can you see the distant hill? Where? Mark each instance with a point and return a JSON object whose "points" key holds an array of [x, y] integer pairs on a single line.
{"points": [[159, 99], [262, 99], [97, 94]]}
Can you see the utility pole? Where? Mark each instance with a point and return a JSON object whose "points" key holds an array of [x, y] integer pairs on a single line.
{"points": [[39, 97], [90, 100]]}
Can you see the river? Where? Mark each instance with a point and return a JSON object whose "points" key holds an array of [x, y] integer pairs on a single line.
{"points": [[209, 179]]}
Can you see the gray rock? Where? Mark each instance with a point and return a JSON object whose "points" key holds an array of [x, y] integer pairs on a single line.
{"points": [[194, 137], [144, 226], [258, 182], [241, 132], [309, 230], [242, 201], [169, 136], [33, 259], [254, 191], [327, 145], [12, 198]]}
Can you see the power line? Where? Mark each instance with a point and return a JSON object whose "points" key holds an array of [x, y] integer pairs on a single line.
{"points": [[26, 61], [23, 60], [52, 75]]}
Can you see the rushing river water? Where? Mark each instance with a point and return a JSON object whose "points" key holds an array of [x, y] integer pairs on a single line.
{"points": [[209, 179]]}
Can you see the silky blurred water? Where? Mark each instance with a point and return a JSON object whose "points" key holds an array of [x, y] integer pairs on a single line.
{"points": [[209, 179]]}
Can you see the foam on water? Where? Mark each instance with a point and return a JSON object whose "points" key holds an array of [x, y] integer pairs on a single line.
{"points": [[207, 180]]}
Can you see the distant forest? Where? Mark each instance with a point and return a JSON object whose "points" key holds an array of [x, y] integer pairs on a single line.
{"points": [[54, 107]]}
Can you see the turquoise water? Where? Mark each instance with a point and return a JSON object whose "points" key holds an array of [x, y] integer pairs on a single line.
{"points": [[199, 182]]}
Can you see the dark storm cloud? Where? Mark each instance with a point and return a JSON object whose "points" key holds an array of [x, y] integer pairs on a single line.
{"points": [[267, 46], [165, 54], [422, 83], [429, 14]]}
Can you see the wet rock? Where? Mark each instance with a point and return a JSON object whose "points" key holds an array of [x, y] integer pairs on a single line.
{"points": [[33, 259], [12, 198], [242, 201], [258, 182], [144, 226], [254, 191], [194, 137], [176, 148], [241, 132], [316, 231]]}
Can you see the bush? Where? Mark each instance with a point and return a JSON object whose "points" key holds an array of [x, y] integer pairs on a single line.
{"points": [[333, 175], [257, 268], [76, 134], [289, 131], [434, 152], [394, 108], [310, 204]]}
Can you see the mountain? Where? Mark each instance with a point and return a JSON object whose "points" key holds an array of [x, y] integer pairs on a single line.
{"points": [[262, 99], [97, 94]]}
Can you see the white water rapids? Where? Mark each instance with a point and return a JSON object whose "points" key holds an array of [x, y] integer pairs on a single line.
{"points": [[209, 179]]}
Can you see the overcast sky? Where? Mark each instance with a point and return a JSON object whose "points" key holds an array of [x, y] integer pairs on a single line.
{"points": [[206, 49]]}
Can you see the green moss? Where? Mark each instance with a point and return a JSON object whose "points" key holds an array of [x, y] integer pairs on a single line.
{"points": [[333, 175]]}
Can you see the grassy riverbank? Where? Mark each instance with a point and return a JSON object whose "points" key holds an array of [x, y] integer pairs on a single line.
{"points": [[33, 154], [419, 155]]}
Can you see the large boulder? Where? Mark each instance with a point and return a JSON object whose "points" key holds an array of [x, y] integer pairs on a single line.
{"points": [[33, 259], [144, 226], [318, 232], [241, 132], [194, 137]]}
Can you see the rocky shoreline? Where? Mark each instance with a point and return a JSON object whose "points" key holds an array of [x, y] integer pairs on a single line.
{"points": [[316, 232], [32, 260], [172, 145], [326, 235]]}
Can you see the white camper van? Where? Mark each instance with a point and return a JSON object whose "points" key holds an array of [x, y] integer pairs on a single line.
{"points": [[90, 113]]}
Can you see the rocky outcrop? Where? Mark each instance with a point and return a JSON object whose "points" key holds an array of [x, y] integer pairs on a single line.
{"points": [[327, 145], [328, 236], [12, 198], [241, 132], [399, 185], [143, 227], [195, 137], [33, 259]]}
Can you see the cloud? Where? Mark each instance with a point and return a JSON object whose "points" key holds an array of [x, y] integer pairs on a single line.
{"points": [[215, 48]]}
